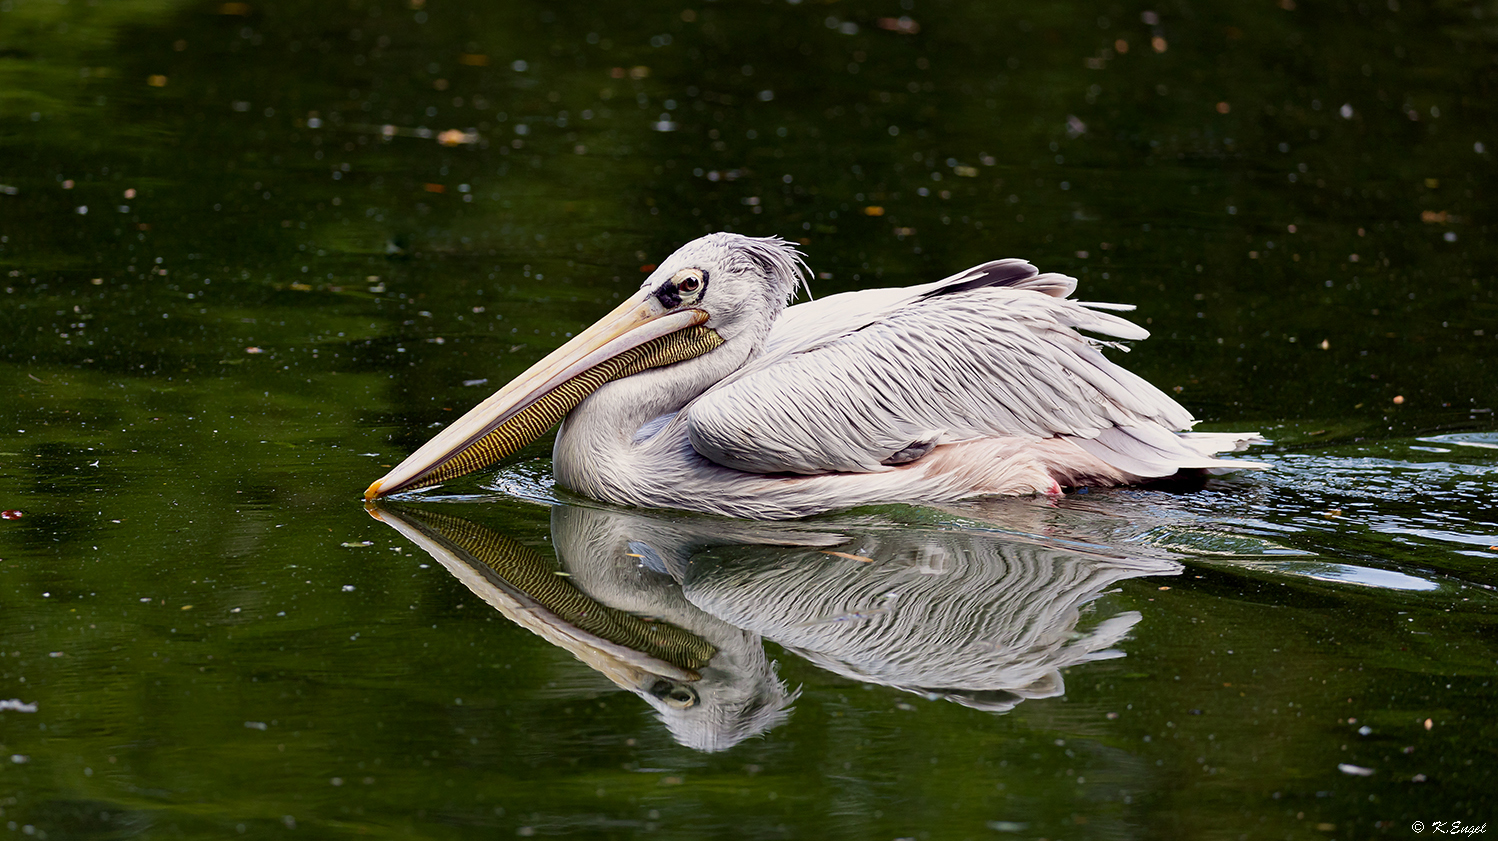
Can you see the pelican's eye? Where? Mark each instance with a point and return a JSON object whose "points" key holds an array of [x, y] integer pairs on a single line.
{"points": [[675, 695], [690, 284], [684, 289]]}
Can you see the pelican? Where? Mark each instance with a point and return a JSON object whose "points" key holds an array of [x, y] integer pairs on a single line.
{"points": [[704, 391]]}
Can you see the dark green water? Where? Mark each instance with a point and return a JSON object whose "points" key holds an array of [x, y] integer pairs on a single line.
{"points": [[242, 272]]}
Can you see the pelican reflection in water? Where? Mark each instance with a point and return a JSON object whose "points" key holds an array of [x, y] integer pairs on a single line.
{"points": [[703, 391], [676, 610]]}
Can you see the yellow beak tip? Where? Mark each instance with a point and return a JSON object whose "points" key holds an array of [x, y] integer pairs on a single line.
{"points": [[372, 493]]}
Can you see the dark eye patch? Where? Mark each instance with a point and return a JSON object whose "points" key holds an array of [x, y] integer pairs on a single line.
{"points": [[669, 297]]}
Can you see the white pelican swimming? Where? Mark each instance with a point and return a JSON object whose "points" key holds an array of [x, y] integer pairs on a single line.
{"points": [[704, 391]]}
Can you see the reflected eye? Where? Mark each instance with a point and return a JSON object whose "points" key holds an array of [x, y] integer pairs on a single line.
{"points": [[690, 284], [674, 694]]}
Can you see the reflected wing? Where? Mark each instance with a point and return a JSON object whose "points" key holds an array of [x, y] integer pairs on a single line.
{"points": [[859, 382], [981, 618]]}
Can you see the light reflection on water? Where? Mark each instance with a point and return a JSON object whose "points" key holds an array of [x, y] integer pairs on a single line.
{"points": [[1234, 600], [1380, 516], [974, 617], [1350, 574], [838, 605], [1485, 440]]}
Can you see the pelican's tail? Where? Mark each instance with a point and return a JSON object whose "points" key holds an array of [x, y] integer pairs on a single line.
{"points": [[1152, 452], [1212, 443]]}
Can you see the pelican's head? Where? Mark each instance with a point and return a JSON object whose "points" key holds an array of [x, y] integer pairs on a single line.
{"points": [[741, 283], [714, 290]]}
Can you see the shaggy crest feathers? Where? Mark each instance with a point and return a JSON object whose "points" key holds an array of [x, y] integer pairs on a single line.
{"points": [[776, 260]]}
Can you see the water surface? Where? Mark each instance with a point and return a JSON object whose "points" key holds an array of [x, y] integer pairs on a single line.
{"points": [[251, 254]]}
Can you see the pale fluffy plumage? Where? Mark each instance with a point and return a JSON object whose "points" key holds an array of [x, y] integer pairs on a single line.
{"points": [[982, 383]]}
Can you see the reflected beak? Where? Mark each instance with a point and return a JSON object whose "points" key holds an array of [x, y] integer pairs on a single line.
{"points": [[638, 335], [654, 658]]}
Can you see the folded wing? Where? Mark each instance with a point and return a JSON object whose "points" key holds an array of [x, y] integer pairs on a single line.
{"points": [[868, 380]]}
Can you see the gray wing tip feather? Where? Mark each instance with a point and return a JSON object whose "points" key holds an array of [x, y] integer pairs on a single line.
{"points": [[1209, 443], [1011, 274], [1152, 451]]}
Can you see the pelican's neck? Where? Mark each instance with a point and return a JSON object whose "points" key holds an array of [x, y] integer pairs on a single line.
{"points": [[599, 445]]}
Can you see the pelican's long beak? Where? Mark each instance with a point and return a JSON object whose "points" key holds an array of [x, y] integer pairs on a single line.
{"points": [[639, 334]]}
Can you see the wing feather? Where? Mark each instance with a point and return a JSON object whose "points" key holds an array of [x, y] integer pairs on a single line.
{"points": [[851, 380]]}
